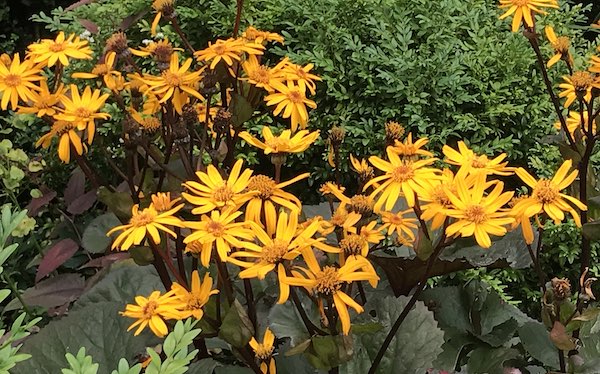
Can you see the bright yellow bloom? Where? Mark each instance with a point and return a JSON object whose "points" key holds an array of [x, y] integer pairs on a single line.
{"points": [[228, 51], [476, 213], [301, 75], [328, 281], [595, 62], [284, 143], [152, 311], [408, 148], [83, 109], [162, 7], [193, 301], [291, 102], [472, 163], [105, 70], [524, 10], [16, 81], [148, 222], [574, 123], [560, 45], [262, 207], [401, 176], [260, 75], [546, 196], [261, 37], [162, 201], [43, 102], [49, 51], [397, 222], [579, 85], [220, 230], [174, 83], [68, 136], [362, 168], [161, 50], [213, 192], [264, 352], [436, 199]]}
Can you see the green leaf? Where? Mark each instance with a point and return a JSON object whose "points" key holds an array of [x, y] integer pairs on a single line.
{"points": [[327, 352], [419, 328], [285, 322], [486, 360], [236, 329], [94, 238], [99, 328], [241, 110], [119, 203], [537, 343], [591, 230], [454, 342], [204, 366]]}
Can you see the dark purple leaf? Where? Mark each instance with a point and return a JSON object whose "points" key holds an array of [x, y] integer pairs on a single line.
{"points": [[56, 256], [83, 202], [75, 186], [77, 4], [132, 20], [104, 261], [89, 25], [51, 292], [39, 202]]}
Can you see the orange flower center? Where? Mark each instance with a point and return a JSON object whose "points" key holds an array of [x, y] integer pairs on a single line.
{"points": [[194, 301], [479, 162], [328, 280], [582, 80], [475, 214], [562, 44], [82, 112], [172, 79], [352, 244], [149, 309], [62, 127], [339, 217], [142, 219], [263, 184], [219, 49], [215, 228], [222, 194], [361, 204], [263, 352], [150, 123], [57, 47], [277, 143], [274, 252], [101, 69], [403, 173], [545, 192], [12, 80], [260, 75], [295, 96], [521, 2]]}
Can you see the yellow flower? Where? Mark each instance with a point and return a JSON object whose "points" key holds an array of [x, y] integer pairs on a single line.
{"points": [[152, 311], [327, 282], [43, 102], [261, 37], [174, 83], [161, 50], [193, 301], [560, 45], [213, 192], [260, 75], [301, 75], [221, 230], [579, 85], [228, 51], [269, 198], [436, 199], [264, 352], [401, 176], [546, 195], [68, 136], [49, 51], [524, 10], [595, 62], [16, 81], [284, 143], [144, 223], [397, 222], [471, 163], [162, 7], [104, 70], [83, 109], [477, 214], [291, 102], [409, 149], [574, 122], [341, 219], [162, 201]]}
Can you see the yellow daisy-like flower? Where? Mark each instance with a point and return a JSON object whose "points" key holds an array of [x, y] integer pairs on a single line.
{"points": [[301, 75], [162, 201], [560, 45], [194, 300], [574, 123], [478, 214], [104, 69], [174, 83], [260, 75], [161, 50], [362, 168], [162, 7], [49, 51], [213, 192], [284, 143], [523, 10], [436, 200], [408, 148], [472, 163], [220, 230], [261, 37], [579, 85], [67, 135], [83, 109], [546, 196], [291, 102], [342, 219], [17, 81], [43, 102], [328, 281], [228, 51], [152, 311], [264, 352], [401, 176], [595, 64], [262, 208], [397, 222], [147, 222]]}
